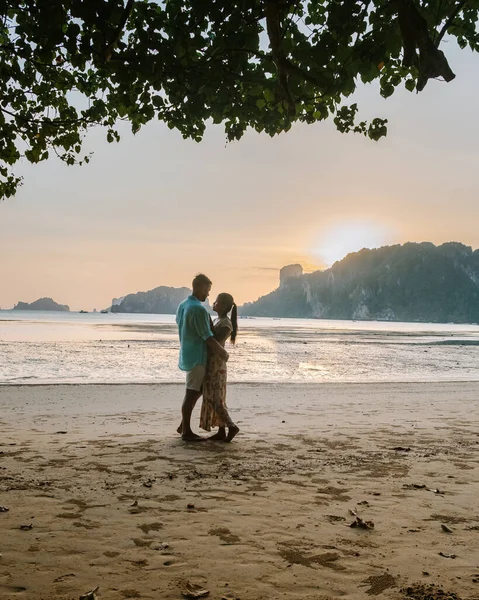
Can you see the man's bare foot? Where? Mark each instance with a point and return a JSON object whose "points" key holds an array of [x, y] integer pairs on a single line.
{"points": [[220, 436], [232, 432], [192, 437]]}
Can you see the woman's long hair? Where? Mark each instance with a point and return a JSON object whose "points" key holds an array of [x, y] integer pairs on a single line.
{"points": [[234, 322], [231, 306]]}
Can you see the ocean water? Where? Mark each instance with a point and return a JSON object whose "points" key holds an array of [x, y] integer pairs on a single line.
{"points": [[47, 347]]}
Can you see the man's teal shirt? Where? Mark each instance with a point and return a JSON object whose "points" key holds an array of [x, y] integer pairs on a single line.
{"points": [[194, 328]]}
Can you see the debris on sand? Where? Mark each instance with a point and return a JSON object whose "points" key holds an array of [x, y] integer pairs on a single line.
{"points": [[26, 527], [358, 522], [192, 590], [91, 595], [422, 486], [190, 506], [401, 449], [4, 509], [163, 546], [420, 591], [63, 578], [446, 555], [445, 528]]}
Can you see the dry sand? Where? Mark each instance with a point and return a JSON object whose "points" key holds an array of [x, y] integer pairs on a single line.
{"points": [[105, 483]]}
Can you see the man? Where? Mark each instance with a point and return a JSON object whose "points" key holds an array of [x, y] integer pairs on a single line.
{"points": [[196, 338]]}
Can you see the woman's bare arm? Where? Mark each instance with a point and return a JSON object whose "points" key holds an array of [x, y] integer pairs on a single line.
{"points": [[221, 334], [217, 348]]}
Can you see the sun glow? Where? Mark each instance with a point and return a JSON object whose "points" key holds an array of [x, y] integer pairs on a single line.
{"points": [[339, 239]]}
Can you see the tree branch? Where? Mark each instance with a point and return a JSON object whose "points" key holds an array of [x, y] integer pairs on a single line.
{"points": [[46, 121], [107, 54], [449, 22], [273, 28]]}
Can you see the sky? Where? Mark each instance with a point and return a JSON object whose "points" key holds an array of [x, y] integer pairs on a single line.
{"points": [[156, 209]]}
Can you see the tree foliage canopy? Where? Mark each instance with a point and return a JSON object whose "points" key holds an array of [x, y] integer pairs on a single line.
{"points": [[67, 65]]}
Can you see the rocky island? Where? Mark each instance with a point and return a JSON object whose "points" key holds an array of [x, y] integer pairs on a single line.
{"points": [[42, 304], [161, 300]]}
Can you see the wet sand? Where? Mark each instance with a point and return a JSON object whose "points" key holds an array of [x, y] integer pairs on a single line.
{"points": [[116, 500]]}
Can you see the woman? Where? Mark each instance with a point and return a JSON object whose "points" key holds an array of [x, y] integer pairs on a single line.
{"points": [[213, 410]]}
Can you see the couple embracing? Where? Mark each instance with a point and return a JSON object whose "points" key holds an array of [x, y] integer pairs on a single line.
{"points": [[203, 357]]}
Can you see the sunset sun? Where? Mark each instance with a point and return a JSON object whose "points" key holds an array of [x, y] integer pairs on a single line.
{"points": [[341, 238]]}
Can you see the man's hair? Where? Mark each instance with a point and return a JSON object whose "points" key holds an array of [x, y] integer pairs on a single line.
{"points": [[201, 279]]}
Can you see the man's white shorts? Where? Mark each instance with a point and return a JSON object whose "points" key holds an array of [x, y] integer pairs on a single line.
{"points": [[195, 377]]}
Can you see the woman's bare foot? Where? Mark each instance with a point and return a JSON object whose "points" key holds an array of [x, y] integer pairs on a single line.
{"points": [[180, 428], [232, 432], [219, 436]]}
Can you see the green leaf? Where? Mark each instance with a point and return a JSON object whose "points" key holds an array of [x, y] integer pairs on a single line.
{"points": [[410, 84], [269, 95]]}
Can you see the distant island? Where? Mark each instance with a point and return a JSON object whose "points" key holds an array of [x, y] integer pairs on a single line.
{"points": [[42, 304], [161, 300], [411, 282]]}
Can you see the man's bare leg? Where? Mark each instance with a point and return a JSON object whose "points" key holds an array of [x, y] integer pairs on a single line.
{"points": [[191, 398]]}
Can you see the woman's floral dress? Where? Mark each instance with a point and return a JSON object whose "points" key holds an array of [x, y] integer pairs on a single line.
{"points": [[213, 410]]}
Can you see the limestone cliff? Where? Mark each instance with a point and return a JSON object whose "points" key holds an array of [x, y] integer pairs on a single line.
{"points": [[410, 282]]}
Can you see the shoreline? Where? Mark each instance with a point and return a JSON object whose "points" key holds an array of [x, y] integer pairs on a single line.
{"points": [[279, 383]]}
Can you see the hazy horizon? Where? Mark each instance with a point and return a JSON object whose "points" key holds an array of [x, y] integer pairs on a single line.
{"points": [[155, 209], [307, 268]]}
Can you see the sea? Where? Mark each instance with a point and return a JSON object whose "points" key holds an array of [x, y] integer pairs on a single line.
{"points": [[49, 347]]}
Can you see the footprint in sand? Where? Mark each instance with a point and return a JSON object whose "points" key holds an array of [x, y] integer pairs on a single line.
{"points": [[69, 516], [142, 543], [139, 563], [130, 594], [335, 518], [13, 589], [63, 578], [225, 535], [379, 583], [334, 492], [87, 525], [147, 527], [292, 554]]}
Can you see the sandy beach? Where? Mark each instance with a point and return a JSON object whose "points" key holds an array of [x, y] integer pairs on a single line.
{"points": [[101, 492]]}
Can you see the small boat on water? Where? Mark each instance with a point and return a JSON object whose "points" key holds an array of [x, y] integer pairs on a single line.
{"points": [[83, 312], [104, 312]]}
